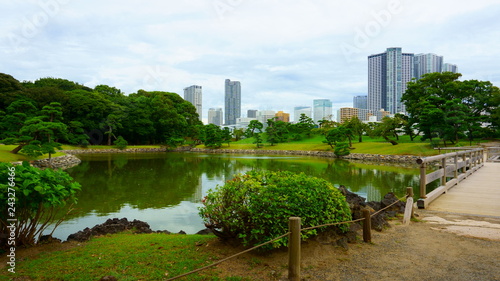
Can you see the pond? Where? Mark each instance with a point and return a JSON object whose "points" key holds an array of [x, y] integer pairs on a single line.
{"points": [[166, 189]]}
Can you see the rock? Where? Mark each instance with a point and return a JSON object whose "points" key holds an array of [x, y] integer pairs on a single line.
{"points": [[182, 232], [108, 278], [205, 231], [111, 226], [48, 239]]}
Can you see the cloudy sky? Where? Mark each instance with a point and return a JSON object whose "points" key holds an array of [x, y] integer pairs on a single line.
{"points": [[285, 53]]}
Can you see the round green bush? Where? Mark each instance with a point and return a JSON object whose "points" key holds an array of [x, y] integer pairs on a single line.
{"points": [[255, 207]]}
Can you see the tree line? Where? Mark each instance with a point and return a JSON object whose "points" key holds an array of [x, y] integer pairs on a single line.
{"points": [[40, 115]]}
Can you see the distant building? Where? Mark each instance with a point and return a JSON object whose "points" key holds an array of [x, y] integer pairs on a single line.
{"points": [[193, 94], [322, 110], [298, 110], [427, 63], [264, 115], [243, 122], [389, 73], [448, 67], [232, 100], [215, 116], [282, 116], [252, 113], [346, 113], [360, 102]]}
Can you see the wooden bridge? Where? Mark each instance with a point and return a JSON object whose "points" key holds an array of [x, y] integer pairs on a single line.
{"points": [[469, 185]]}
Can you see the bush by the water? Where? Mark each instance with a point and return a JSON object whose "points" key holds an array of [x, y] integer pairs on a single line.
{"points": [[256, 207], [33, 197]]}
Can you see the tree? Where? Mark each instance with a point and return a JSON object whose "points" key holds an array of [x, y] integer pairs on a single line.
{"points": [[258, 140], [38, 134], [226, 135], [213, 136], [333, 136], [428, 99], [388, 128], [357, 127], [253, 126]]}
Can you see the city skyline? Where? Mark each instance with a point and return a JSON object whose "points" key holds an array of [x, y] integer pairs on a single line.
{"points": [[286, 55]]}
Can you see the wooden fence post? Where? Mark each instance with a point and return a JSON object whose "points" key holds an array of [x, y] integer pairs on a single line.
{"points": [[294, 249], [409, 206], [367, 226]]}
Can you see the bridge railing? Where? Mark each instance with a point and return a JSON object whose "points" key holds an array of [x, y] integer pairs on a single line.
{"points": [[452, 168]]}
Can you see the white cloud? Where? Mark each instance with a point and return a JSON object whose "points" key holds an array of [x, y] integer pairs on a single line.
{"points": [[284, 53]]}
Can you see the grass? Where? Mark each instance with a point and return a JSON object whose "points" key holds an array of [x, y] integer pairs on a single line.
{"points": [[125, 256], [6, 156]]}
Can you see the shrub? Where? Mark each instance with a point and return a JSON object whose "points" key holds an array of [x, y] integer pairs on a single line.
{"points": [[342, 149], [120, 143], [255, 208], [39, 196]]}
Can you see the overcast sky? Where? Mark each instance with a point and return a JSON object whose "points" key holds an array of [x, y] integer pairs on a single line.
{"points": [[284, 53]]}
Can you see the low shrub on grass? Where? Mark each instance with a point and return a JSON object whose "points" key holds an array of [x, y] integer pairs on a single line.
{"points": [[255, 208]]}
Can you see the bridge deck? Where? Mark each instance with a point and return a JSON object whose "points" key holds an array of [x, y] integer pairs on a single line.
{"points": [[479, 194]]}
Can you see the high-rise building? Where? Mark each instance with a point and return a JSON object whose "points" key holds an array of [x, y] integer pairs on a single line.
{"points": [[389, 73], [298, 110], [252, 113], [427, 63], [232, 102], [215, 116], [193, 95], [346, 113], [360, 102], [322, 110], [264, 115], [448, 67], [283, 116]]}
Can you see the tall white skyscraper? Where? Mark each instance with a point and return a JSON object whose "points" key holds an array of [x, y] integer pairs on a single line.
{"points": [[322, 110], [232, 100], [193, 95], [215, 116], [298, 110]]}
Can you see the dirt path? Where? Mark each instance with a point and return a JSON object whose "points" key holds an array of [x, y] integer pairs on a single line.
{"points": [[442, 247]]}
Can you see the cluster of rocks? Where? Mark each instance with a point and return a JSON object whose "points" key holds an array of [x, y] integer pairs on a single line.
{"points": [[63, 162], [116, 225], [353, 156], [114, 150]]}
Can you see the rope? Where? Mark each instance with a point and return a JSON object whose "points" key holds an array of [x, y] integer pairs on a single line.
{"points": [[330, 224], [399, 200], [223, 260]]}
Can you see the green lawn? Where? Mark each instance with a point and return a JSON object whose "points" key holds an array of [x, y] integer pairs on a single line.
{"points": [[125, 256], [6, 156]]}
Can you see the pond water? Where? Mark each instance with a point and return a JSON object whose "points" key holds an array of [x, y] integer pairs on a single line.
{"points": [[166, 189]]}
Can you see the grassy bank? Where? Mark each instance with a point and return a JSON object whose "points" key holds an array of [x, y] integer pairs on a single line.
{"points": [[125, 256]]}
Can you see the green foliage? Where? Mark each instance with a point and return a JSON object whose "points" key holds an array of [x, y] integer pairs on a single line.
{"points": [[212, 136], [258, 140], [39, 196], [120, 143], [342, 149], [255, 208]]}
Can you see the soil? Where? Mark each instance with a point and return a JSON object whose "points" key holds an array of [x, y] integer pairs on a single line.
{"points": [[439, 246]]}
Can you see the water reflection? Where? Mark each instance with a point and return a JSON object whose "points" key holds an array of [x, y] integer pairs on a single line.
{"points": [[165, 189]]}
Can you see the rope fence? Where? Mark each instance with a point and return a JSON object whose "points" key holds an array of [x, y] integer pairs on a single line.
{"points": [[294, 241]]}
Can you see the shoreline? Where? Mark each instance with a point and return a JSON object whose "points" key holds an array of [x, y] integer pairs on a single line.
{"points": [[70, 160]]}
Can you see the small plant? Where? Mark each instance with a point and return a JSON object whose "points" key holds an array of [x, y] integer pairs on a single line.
{"points": [[255, 208], [121, 143]]}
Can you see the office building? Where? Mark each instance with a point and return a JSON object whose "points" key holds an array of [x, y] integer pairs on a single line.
{"points": [[322, 110], [264, 115], [427, 63], [283, 116], [232, 100], [193, 95], [215, 116], [360, 102], [299, 110], [448, 67], [346, 113], [252, 113], [389, 73]]}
